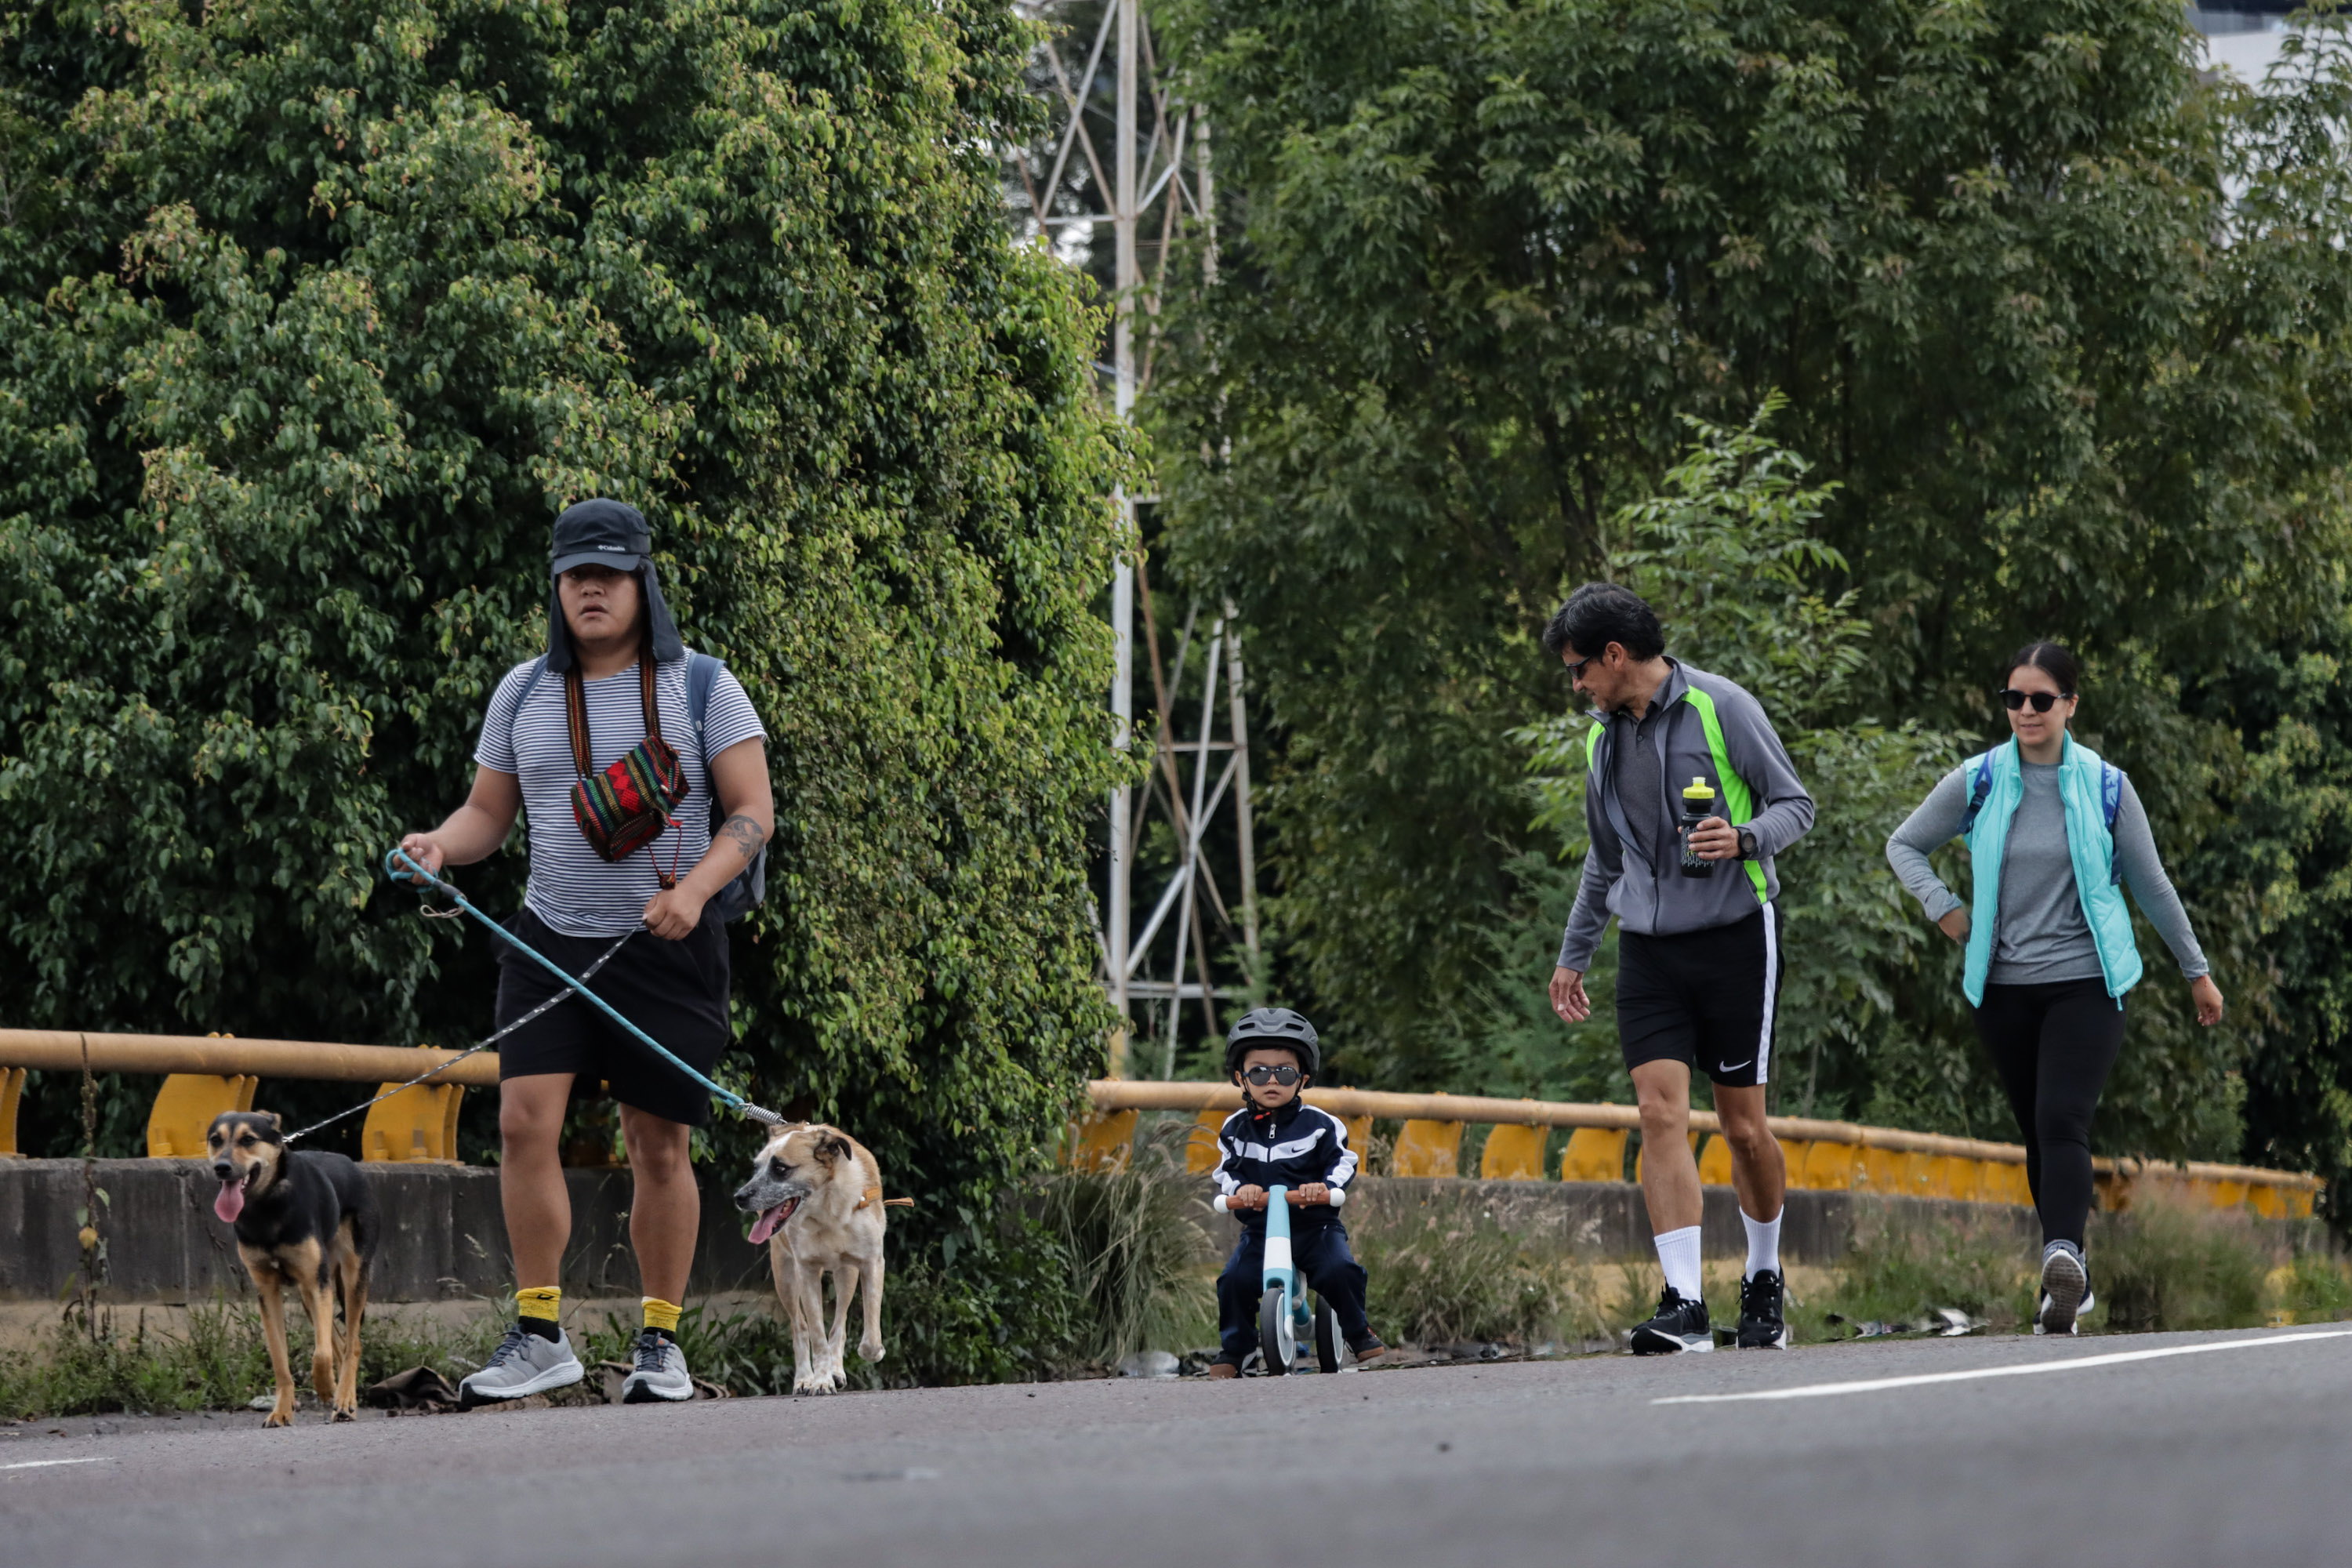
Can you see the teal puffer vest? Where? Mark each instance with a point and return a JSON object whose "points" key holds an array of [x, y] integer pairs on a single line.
{"points": [[2083, 787]]}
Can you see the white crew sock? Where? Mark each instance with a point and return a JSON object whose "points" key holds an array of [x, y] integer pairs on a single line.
{"points": [[1763, 1243], [1678, 1256]]}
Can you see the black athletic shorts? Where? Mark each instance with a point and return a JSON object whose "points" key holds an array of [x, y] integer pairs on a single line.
{"points": [[674, 990], [1708, 998]]}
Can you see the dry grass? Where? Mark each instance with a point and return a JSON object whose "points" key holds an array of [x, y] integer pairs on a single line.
{"points": [[1134, 1242]]}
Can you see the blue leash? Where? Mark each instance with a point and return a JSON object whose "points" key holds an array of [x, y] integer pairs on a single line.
{"points": [[397, 858]]}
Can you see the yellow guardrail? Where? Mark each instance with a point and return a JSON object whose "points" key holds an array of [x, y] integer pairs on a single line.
{"points": [[204, 1077], [1836, 1155]]}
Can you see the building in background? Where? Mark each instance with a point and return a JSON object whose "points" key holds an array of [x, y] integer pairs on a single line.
{"points": [[2242, 38]]}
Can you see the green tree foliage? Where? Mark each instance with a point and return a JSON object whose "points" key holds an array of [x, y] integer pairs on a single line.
{"points": [[2291, 839], [2062, 325], [312, 315]]}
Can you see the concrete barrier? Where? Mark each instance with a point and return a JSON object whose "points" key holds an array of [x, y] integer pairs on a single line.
{"points": [[444, 1235]]}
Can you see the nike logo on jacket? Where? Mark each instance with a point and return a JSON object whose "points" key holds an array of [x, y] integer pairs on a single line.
{"points": [[1287, 1147]]}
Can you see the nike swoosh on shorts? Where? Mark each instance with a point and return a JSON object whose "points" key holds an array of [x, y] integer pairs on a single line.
{"points": [[1734, 1066]]}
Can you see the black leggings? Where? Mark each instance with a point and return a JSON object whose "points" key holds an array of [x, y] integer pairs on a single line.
{"points": [[2053, 1047]]}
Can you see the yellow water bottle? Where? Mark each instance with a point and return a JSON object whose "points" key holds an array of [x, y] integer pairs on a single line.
{"points": [[1698, 805]]}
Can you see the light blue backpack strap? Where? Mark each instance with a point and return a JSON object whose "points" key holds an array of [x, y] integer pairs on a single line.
{"points": [[1981, 790]]}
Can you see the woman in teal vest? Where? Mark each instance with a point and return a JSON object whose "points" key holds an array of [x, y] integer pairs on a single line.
{"points": [[2054, 835]]}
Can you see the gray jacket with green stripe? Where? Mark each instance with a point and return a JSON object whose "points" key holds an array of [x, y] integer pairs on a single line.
{"points": [[1756, 788]]}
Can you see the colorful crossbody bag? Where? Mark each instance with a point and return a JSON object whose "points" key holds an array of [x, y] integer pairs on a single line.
{"points": [[626, 806]]}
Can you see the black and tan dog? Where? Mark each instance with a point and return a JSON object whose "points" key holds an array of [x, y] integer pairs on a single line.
{"points": [[304, 1219]]}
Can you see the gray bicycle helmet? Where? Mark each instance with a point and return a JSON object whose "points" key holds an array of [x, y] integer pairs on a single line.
{"points": [[1264, 1026]]}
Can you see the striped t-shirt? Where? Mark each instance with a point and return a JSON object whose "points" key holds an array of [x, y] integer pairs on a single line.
{"points": [[571, 888]]}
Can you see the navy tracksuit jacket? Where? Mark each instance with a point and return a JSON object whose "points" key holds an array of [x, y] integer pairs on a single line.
{"points": [[1289, 1146]]}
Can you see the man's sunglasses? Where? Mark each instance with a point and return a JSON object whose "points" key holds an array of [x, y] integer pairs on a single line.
{"points": [[1576, 668], [2042, 701], [1263, 1075]]}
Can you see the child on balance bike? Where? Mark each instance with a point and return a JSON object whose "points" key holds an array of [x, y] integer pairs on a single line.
{"points": [[1277, 1139]]}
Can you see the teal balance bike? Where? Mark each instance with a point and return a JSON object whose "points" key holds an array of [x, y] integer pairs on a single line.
{"points": [[1284, 1318]]}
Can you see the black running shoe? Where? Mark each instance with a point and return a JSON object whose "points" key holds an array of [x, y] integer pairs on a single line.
{"points": [[1681, 1325], [1761, 1325]]}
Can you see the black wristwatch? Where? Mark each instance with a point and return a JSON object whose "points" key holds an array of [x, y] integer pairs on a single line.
{"points": [[1747, 844]]}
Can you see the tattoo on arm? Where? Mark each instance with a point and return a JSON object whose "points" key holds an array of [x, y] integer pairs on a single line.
{"points": [[745, 834]]}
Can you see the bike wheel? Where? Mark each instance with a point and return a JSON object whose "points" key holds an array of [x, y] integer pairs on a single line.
{"points": [[1276, 1339], [1326, 1337]]}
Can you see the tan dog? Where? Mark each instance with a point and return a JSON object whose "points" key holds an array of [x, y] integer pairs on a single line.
{"points": [[818, 1195], [303, 1219]]}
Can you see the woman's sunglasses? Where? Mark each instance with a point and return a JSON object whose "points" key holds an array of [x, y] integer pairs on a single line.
{"points": [[1263, 1075], [2042, 701]]}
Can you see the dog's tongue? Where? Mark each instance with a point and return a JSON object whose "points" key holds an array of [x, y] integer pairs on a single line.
{"points": [[231, 1202], [767, 1222]]}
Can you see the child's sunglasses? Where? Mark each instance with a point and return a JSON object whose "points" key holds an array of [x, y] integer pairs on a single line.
{"points": [[1263, 1075], [2042, 701]]}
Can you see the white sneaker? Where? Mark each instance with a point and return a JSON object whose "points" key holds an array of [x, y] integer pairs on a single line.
{"points": [[522, 1365], [2065, 1289], [661, 1373]]}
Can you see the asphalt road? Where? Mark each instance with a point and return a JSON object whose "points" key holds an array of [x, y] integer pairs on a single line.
{"points": [[2237, 1452]]}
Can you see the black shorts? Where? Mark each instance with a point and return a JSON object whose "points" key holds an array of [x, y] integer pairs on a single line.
{"points": [[1707, 998], [674, 990]]}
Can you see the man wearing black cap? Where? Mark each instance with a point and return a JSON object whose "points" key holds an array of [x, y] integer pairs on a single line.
{"points": [[615, 676]]}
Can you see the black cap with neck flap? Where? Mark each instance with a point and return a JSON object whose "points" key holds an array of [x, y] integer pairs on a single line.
{"points": [[607, 533]]}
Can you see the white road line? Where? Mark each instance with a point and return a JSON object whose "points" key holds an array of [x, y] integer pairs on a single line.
{"points": [[44, 1464], [2076, 1364]]}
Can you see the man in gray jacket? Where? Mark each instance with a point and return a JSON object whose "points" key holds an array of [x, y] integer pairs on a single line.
{"points": [[1699, 961]]}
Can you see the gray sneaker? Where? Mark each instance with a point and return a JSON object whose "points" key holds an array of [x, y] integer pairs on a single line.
{"points": [[661, 1373], [2065, 1289], [522, 1365]]}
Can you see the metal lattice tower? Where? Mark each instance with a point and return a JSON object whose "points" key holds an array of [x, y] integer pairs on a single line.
{"points": [[1159, 159]]}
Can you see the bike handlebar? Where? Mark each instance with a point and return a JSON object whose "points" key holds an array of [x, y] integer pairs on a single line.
{"points": [[1222, 1202]]}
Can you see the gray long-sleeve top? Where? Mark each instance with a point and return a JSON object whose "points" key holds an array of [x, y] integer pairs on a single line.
{"points": [[1633, 870], [2043, 937]]}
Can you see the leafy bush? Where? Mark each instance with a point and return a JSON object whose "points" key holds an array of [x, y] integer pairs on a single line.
{"points": [[311, 317], [2316, 1288], [1081, 1268]]}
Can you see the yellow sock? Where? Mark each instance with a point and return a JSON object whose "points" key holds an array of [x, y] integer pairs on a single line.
{"points": [[662, 1315], [540, 1304]]}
